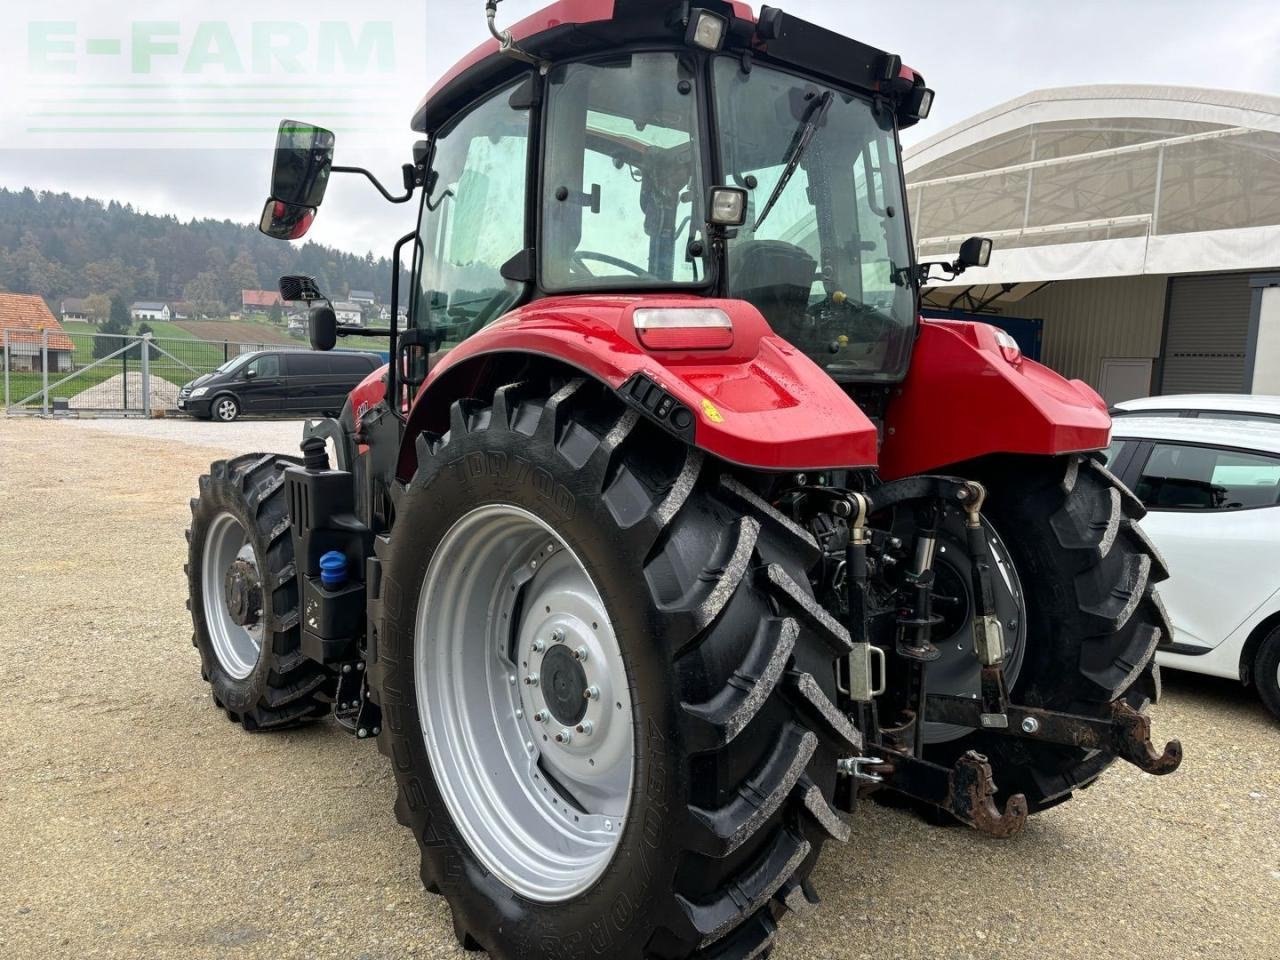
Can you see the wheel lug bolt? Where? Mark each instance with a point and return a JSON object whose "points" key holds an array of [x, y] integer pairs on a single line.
{"points": [[586, 728], [557, 635], [531, 680], [539, 646], [591, 693], [542, 716], [580, 654], [565, 736]]}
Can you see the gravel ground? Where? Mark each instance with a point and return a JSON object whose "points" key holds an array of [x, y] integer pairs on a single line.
{"points": [[137, 823]]}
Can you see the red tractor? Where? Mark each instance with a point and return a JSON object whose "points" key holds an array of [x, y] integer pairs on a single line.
{"points": [[671, 531]]}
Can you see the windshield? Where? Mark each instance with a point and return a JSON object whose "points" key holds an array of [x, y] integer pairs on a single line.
{"points": [[826, 263], [235, 363], [623, 194]]}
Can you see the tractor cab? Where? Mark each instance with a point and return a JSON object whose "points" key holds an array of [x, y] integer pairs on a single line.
{"points": [[692, 154], [638, 148]]}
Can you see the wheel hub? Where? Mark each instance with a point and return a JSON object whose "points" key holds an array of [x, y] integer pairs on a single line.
{"points": [[564, 685], [243, 593]]}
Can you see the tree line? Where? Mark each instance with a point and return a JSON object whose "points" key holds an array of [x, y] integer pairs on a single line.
{"points": [[59, 246]]}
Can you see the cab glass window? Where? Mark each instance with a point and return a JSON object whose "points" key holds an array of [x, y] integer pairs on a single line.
{"points": [[473, 220], [622, 199], [1185, 477], [825, 253]]}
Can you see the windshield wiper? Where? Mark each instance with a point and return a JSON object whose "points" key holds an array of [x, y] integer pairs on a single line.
{"points": [[799, 144]]}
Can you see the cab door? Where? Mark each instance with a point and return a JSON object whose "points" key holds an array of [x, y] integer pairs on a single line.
{"points": [[261, 384]]}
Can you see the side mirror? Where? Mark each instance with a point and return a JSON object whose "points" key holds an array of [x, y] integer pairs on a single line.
{"points": [[304, 160], [300, 289], [250, 374], [323, 323], [975, 252], [286, 221]]}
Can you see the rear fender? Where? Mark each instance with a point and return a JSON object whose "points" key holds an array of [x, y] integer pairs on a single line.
{"points": [[760, 403], [963, 399]]}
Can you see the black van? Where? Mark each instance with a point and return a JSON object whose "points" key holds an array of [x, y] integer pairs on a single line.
{"points": [[277, 382]]}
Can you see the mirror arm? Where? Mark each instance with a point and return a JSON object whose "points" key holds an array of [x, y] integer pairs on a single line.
{"points": [[374, 180]]}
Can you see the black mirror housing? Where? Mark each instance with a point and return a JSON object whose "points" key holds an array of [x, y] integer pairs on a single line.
{"points": [[975, 252], [304, 160], [323, 328], [300, 289]]}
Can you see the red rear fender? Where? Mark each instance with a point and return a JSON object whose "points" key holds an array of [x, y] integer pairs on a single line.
{"points": [[760, 403], [963, 399]]}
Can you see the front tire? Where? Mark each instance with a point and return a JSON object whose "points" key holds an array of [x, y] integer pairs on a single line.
{"points": [[1266, 672], [725, 673], [244, 598], [225, 409]]}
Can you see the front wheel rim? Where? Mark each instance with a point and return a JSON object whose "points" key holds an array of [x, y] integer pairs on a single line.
{"points": [[524, 703], [237, 645], [227, 410]]}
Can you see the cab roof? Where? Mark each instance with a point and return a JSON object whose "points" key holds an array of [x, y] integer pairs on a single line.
{"points": [[570, 28]]}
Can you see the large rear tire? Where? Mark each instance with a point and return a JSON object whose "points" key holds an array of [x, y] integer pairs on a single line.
{"points": [[726, 671], [243, 598], [1093, 617]]}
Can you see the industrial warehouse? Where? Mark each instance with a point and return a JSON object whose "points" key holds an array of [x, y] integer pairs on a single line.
{"points": [[1137, 233]]}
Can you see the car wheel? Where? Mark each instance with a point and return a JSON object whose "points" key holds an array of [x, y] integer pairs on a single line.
{"points": [[226, 408], [1266, 671]]}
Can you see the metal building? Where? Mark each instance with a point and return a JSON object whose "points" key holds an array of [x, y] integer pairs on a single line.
{"points": [[1141, 224]]}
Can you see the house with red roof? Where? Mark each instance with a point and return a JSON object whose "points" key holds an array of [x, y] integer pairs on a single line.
{"points": [[23, 320], [258, 301]]}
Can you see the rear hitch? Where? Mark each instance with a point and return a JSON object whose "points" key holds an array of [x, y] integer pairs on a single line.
{"points": [[1126, 733]]}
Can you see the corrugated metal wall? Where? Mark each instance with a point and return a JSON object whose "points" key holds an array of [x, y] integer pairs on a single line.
{"points": [[1208, 334], [1086, 321]]}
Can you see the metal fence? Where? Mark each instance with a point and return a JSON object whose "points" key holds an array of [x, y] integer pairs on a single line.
{"points": [[56, 373]]}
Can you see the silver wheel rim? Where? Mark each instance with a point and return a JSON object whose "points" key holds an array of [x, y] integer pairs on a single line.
{"points": [[506, 615], [226, 409], [236, 645]]}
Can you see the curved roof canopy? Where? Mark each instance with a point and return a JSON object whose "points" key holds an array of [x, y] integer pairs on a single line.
{"points": [[1111, 180]]}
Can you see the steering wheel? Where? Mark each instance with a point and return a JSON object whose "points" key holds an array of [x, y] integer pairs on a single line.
{"points": [[582, 255]]}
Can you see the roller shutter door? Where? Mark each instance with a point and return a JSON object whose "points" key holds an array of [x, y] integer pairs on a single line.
{"points": [[1208, 334]]}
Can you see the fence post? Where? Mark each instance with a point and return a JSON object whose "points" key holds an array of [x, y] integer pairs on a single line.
{"points": [[44, 368], [146, 374], [6, 369], [226, 351]]}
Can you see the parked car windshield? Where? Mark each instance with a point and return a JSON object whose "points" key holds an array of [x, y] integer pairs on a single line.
{"points": [[828, 266], [235, 363]]}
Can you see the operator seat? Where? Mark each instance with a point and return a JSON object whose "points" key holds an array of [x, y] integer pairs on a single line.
{"points": [[777, 278]]}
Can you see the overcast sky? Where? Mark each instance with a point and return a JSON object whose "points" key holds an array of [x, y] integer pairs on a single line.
{"points": [[975, 55]]}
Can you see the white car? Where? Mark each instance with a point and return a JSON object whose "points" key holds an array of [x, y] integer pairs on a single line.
{"points": [[1204, 406], [1212, 491]]}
